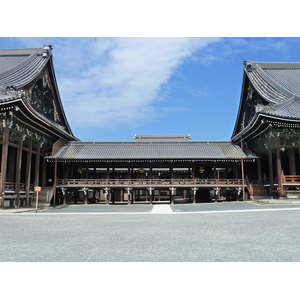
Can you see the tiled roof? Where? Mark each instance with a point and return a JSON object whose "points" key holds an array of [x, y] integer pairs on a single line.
{"points": [[288, 109], [265, 89], [144, 150], [278, 84], [18, 67]]}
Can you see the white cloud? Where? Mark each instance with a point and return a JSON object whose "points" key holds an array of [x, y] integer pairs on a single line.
{"points": [[122, 78], [107, 82]]}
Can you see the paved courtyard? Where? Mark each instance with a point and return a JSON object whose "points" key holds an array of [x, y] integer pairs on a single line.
{"points": [[216, 232]]}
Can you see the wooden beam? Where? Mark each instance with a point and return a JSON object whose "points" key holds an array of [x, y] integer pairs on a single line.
{"points": [[279, 172]]}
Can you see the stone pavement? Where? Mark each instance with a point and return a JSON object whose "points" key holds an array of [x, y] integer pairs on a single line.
{"points": [[147, 208], [277, 201]]}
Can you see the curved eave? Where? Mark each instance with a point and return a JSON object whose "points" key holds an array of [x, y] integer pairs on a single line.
{"points": [[259, 123], [278, 91], [31, 116], [146, 160], [58, 97], [240, 105]]}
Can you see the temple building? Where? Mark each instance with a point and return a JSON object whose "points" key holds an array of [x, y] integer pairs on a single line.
{"points": [[33, 123], [40, 154]]}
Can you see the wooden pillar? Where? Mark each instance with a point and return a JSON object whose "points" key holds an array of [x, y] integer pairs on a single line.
{"points": [[107, 174], [292, 161], [270, 158], [259, 174], [122, 195], [235, 171], [37, 166], [215, 171], [193, 173], [28, 173], [171, 174], [71, 175], [54, 183], [86, 176], [279, 172], [18, 172], [44, 174], [5, 132], [66, 171], [134, 196]]}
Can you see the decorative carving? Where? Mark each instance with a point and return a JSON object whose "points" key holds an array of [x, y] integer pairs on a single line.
{"points": [[42, 99], [250, 92], [276, 136]]}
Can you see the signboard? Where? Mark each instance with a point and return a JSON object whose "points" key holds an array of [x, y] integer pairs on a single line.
{"points": [[37, 188]]}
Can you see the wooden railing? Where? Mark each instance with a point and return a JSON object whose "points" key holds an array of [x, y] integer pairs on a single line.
{"points": [[145, 182], [11, 187], [291, 179]]}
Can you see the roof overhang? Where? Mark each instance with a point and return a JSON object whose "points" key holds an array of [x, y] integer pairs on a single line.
{"points": [[27, 114]]}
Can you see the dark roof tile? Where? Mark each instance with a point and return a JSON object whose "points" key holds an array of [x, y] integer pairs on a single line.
{"points": [[144, 150]]}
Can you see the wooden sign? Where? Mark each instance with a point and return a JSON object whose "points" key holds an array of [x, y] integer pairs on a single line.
{"points": [[37, 188]]}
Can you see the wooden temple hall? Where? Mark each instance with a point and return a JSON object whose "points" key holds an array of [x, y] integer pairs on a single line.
{"points": [[42, 159]]}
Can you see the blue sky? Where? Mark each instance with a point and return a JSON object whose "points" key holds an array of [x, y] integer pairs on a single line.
{"points": [[113, 88]]}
